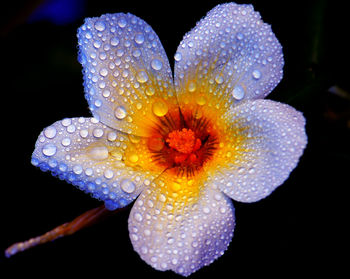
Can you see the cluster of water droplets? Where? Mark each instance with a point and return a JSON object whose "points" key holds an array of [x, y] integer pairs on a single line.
{"points": [[90, 156], [274, 135], [181, 239], [230, 51], [124, 66]]}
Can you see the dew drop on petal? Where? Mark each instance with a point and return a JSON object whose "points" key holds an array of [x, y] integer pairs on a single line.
{"points": [[238, 92], [191, 86], [156, 64], [177, 56], [219, 79], [139, 38], [122, 22], [49, 149], [127, 186], [150, 91], [256, 74], [100, 26], [120, 112], [114, 41], [141, 76], [160, 108], [50, 132]]}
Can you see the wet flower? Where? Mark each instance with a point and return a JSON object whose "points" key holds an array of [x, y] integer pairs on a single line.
{"points": [[181, 148]]}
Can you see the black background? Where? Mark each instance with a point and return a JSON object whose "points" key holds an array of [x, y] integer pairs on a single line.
{"points": [[297, 230]]}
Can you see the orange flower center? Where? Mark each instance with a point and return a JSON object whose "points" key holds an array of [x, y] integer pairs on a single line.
{"points": [[182, 143]]}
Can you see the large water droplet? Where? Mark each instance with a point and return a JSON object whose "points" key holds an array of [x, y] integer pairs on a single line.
{"points": [[98, 153], [238, 92], [156, 64], [100, 26], [120, 112], [141, 76], [160, 108], [127, 186], [50, 132], [49, 149]]}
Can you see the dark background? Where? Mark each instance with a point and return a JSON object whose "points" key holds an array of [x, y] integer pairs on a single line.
{"points": [[298, 230]]}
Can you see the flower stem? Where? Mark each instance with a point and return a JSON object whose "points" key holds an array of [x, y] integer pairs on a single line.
{"points": [[84, 220]]}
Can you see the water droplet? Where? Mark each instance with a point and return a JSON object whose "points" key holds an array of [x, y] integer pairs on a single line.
{"points": [[160, 108], [139, 38], [100, 26], [106, 93], [66, 141], [191, 86], [219, 79], [98, 153], [120, 112], [141, 76], [201, 100], [138, 217], [127, 186], [122, 22], [239, 36], [97, 132], [156, 64], [50, 132], [238, 92], [114, 41], [256, 74], [133, 158], [177, 56], [150, 91], [49, 149], [206, 210], [103, 72], [77, 169], [108, 174]]}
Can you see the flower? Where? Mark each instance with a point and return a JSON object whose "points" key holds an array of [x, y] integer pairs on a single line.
{"points": [[182, 149]]}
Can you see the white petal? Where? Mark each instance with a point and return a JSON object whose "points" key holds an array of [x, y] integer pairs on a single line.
{"points": [[91, 156], [185, 238], [273, 141], [125, 66], [230, 52]]}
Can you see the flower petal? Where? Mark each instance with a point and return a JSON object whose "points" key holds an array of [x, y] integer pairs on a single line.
{"points": [[229, 56], [272, 140], [181, 239], [125, 70], [93, 157]]}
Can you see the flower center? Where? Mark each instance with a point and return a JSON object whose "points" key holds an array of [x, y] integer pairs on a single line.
{"points": [[183, 142]]}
